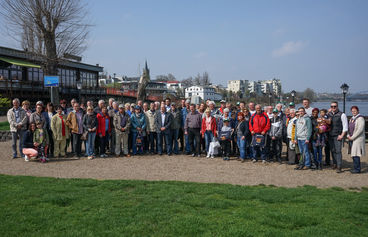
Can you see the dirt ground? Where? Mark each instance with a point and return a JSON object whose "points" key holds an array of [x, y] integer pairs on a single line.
{"points": [[184, 168]]}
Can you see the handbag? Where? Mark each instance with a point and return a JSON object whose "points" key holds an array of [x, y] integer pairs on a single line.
{"points": [[84, 136], [258, 140], [139, 140]]}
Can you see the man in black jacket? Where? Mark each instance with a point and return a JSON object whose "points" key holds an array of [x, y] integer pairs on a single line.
{"points": [[163, 121]]}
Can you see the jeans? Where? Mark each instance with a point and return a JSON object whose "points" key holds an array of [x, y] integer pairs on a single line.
{"points": [[262, 150], [160, 137], [77, 144], [194, 134], [187, 144], [174, 136], [152, 140], [356, 161], [317, 153], [335, 147], [14, 142], [242, 144], [90, 145], [208, 136], [303, 147]]}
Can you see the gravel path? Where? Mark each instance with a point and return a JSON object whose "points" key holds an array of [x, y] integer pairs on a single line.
{"points": [[184, 168]]}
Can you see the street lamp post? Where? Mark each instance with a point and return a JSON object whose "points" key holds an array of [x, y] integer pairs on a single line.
{"points": [[293, 95], [79, 87], [270, 97], [345, 88]]}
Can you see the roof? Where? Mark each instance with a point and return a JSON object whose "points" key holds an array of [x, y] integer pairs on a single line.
{"points": [[24, 56]]}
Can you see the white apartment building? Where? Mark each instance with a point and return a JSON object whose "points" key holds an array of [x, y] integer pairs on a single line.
{"points": [[265, 86], [237, 85], [206, 93]]}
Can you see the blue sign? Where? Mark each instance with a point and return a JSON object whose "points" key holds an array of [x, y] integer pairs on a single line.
{"points": [[50, 81]]}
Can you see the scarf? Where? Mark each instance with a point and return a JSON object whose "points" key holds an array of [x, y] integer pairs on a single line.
{"points": [[62, 126], [352, 124]]}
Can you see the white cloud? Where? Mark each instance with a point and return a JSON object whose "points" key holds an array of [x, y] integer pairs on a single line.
{"points": [[290, 47]]}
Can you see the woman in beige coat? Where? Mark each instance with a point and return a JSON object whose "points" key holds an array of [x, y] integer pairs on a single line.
{"points": [[356, 137], [60, 132]]}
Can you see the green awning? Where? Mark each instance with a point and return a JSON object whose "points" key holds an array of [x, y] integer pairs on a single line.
{"points": [[19, 62]]}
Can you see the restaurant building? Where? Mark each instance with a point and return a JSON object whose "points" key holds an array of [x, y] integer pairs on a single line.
{"points": [[21, 76]]}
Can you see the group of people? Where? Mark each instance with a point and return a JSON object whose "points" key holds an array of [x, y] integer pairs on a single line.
{"points": [[245, 132]]}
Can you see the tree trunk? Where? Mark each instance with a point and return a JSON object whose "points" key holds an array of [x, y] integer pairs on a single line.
{"points": [[51, 65]]}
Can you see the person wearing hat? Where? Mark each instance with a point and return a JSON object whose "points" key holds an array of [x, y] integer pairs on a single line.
{"points": [[175, 128], [220, 111], [122, 127], [138, 129], [225, 138], [292, 105], [275, 134]]}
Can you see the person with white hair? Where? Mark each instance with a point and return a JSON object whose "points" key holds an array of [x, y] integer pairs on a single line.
{"points": [[17, 119], [109, 107], [98, 109]]}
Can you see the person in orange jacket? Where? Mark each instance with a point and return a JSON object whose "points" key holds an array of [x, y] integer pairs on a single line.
{"points": [[259, 124]]}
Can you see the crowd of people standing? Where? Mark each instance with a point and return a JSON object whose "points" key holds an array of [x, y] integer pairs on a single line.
{"points": [[246, 132]]}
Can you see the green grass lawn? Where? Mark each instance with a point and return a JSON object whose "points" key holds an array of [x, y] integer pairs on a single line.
{"points": [[4, 126], [31, 206]]}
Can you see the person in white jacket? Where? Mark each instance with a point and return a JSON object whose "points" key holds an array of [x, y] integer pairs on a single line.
{"points": [[356, 136]]}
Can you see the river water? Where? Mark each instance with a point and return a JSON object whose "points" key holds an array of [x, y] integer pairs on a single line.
{"points": [[362, 105]]}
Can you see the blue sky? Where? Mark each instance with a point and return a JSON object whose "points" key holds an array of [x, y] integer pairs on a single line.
{"points": [[316, 44]]}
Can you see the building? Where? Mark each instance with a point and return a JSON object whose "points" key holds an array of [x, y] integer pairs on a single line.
{"points": [[21, 76], [237, 85], [265, 87], [205, 92]]}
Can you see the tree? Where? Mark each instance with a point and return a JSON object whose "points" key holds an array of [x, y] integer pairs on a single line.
{"points": [[197, 79], [48, 29], [171, 77], [205, 79], [188, 82], [309, 94]]}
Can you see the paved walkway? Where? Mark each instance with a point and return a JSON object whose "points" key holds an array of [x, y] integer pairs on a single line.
{"points": [[184, 168]]}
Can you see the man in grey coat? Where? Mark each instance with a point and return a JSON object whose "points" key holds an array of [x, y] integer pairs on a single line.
{"points": [[163, 122], [18, 120]]}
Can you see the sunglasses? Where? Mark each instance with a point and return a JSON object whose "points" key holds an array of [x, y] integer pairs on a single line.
{"points": [[333, 106]]}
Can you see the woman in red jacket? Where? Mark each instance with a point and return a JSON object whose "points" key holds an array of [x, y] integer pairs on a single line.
{"points": [[103, 130], [209, 128]]}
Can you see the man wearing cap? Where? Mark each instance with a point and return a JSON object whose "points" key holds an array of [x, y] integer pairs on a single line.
{"points": [[17, 119], [291, 105], [220, 111], [275, 134], [163, 122], [122, 127], [192, 127], [175, 127]]}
